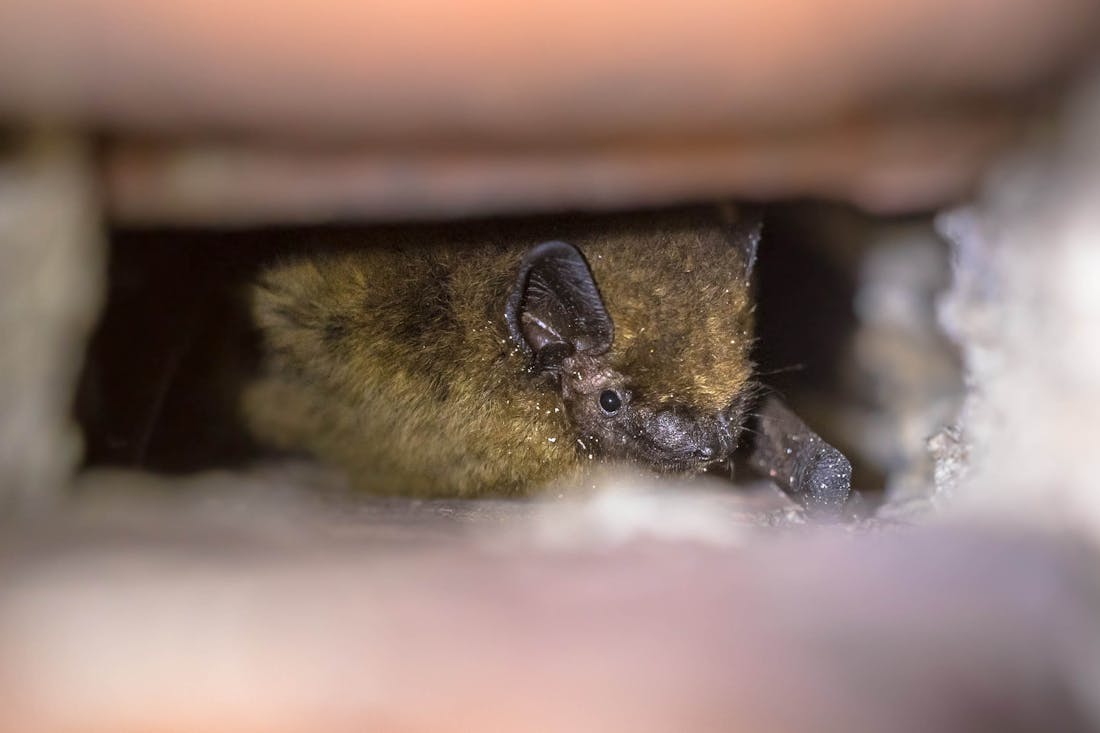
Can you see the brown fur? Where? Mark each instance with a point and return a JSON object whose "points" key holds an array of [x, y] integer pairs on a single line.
{"points": [[393, 360]]}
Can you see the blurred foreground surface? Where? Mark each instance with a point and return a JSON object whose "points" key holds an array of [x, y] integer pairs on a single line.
{"points": [[308, 111], [627, 612]]}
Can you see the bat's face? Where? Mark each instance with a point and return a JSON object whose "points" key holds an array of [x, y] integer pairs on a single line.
{"points": [[620, 421], [557, 314]]}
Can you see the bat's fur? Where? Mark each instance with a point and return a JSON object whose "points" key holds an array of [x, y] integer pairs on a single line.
{"points": [[393, 360]]}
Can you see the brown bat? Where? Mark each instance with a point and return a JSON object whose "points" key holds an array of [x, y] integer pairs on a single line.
{"points": [[502, 358]]}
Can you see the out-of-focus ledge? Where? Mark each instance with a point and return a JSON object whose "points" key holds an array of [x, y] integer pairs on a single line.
{"points": [[429, 108], [895, 166], [433, 72], [275, 621]]}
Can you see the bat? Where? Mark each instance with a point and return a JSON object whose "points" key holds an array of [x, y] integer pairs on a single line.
{"points": [[498, 359]]}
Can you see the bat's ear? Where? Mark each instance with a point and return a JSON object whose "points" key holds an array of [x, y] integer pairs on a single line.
{"points": [[555, 309], [743, 225]]}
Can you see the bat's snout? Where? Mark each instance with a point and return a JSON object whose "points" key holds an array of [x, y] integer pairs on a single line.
{"points": [[683, 439]]}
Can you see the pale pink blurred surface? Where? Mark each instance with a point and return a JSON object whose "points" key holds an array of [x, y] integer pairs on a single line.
{"points": [[439, 108], [946, 630]]}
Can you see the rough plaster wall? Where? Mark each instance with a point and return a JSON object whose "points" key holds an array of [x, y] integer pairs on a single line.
{"points": [[1025, 308], [904, 370], [50, 265]]}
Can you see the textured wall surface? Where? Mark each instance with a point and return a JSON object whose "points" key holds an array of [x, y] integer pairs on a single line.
{"points": [[50, 287], [1025, 308]]}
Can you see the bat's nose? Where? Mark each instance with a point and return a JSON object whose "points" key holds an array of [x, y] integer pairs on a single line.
{"points": [[704, 452], [680, 435]]}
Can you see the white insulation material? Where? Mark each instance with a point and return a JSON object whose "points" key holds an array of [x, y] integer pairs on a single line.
{"points": [[1025, 310]]}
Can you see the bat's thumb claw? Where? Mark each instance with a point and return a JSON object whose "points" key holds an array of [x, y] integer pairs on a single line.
{"points": [[825, 478]]}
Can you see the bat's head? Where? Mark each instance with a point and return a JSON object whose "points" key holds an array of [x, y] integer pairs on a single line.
{"points": [[650, 352]]}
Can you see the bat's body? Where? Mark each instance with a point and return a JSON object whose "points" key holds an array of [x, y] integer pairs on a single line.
{"points": [[502, 359]]}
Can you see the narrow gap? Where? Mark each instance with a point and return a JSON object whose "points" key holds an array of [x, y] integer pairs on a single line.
{"points": [[845, 333]]}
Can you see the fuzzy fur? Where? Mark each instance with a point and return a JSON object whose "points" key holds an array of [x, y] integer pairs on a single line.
{"points": [[393, 360]]}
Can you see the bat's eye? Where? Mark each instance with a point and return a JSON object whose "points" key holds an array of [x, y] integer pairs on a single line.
{"points": [[610, 402]]}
